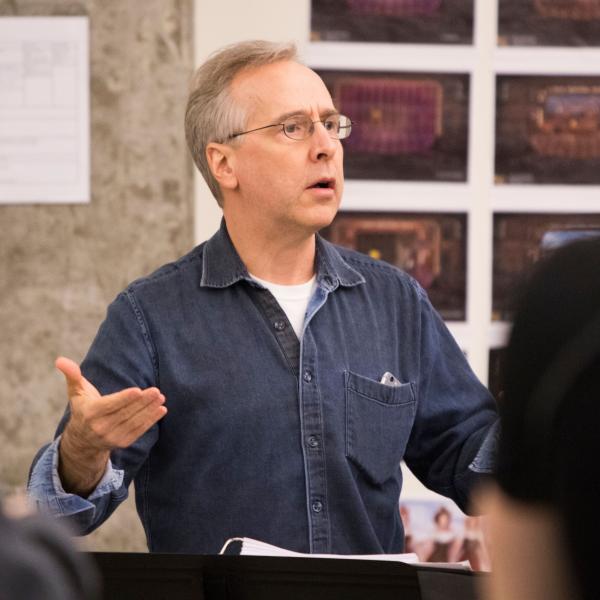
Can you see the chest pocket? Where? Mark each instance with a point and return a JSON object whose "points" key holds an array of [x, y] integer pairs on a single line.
{"points": [[379, 420]]}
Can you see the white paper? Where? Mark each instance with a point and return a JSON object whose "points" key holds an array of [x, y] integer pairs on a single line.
{"points": [[44, 110], [252, 547]]}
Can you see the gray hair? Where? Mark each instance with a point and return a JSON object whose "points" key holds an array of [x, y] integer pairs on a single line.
{"points": [[211, 114]]}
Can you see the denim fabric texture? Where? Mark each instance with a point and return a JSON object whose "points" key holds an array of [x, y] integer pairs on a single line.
{"points": [[297, 443]]}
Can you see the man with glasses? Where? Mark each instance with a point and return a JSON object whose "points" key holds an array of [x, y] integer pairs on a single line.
{"points": [[297, 375]]}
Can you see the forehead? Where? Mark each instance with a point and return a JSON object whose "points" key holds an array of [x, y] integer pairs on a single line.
{"points": [[271, 90]]}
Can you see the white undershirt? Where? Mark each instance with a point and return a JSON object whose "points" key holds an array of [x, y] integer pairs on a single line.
{"points": [[293, 299]]}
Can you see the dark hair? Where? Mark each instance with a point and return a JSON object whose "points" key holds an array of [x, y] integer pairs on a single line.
{"points": [[550, 411], [441, 512]]}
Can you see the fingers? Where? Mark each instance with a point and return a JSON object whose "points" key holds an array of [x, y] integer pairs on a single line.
{"points": [[70, 369], [128, 431], [144, 401], [117, 420], [110, 432], [78, 385], [114, 420], [130, 400]]}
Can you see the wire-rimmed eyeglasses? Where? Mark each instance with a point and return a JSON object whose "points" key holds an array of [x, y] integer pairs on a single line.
{"points": [[300, 127]]}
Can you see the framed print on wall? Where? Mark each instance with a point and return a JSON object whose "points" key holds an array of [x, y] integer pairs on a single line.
{"points": [[429, 246], [394, 21], [547, 129], [520, 240], [406, 126], [549, 23]]}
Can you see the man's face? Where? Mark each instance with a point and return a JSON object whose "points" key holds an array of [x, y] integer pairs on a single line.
{"points": [[278, 176]]}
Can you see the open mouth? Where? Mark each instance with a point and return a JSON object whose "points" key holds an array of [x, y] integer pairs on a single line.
{"points": [[323, 184]]}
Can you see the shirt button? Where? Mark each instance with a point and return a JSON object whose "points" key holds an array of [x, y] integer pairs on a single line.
{"points": [[280, 325], [307, 376], [313, 441], [317, 506]]}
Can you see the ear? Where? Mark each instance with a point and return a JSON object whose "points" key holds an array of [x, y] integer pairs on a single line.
{"points": [[220, 162]]}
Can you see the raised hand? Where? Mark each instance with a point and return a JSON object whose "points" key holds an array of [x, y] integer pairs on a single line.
{"points": [[99, 424]]}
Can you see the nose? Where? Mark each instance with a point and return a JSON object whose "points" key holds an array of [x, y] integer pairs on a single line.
{"points": [[322, 145]]}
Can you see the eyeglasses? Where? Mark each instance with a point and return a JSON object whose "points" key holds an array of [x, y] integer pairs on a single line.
{"points": [[301, 127]]}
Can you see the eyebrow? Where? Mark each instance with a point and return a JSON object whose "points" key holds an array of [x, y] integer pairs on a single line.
{"points": [[299, 112]]}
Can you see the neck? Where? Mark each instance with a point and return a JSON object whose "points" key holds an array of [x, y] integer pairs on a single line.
{"points": [[285, 258]]}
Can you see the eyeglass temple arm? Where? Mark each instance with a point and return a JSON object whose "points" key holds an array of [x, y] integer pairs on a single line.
{"points": [[234, 135]]}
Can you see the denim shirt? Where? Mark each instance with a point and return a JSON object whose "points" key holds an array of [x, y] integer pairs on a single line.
{"points": [[297, 443]]}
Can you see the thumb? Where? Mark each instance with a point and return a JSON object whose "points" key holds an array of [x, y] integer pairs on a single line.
{"points": [[70, 369]]}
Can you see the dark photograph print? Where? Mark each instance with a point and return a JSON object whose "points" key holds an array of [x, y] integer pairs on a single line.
{"points": [[520, 240], [547, 129], [429, 246], [406, 126], [393, 21], [549, 23]]}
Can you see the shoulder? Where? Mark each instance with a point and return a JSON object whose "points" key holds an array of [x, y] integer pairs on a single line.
{"points": [[187, 268]]}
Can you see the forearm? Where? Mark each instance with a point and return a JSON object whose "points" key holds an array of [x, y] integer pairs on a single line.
{"points": [[80, 467], [84, 514]]}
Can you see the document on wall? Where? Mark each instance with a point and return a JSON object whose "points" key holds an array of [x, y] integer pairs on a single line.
{"points": [[44, 110]]}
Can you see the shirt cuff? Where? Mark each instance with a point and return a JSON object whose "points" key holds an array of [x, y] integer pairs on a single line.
{"points": [[46, 490], [485, 460]]}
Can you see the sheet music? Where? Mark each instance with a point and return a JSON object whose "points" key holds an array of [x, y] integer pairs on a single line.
{"points": [[44, 110], [252, 547]]}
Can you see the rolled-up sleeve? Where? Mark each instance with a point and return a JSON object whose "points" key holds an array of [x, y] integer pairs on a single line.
{"points": [[46, 492]]}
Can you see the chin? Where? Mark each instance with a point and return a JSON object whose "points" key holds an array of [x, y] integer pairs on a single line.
{"points": [[323, 218]]}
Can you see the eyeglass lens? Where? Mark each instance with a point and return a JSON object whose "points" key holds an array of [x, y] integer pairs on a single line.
{"points": [[300, 127]]}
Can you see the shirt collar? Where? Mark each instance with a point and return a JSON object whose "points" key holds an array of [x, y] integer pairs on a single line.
{"points": [[222, 265], [332, 269]]}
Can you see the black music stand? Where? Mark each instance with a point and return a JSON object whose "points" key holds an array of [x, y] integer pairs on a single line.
{"points": [[195, 577]]}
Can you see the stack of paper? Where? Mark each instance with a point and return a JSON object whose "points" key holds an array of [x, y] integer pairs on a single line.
{"points": [[250, 547]]}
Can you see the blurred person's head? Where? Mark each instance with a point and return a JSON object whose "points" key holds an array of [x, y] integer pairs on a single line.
{"points": [[442, 518], [543, 511], [39, 561]]}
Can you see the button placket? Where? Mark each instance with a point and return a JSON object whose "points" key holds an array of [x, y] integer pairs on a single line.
{"points": [[313, 441], [280, 325], [314, 455]]}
